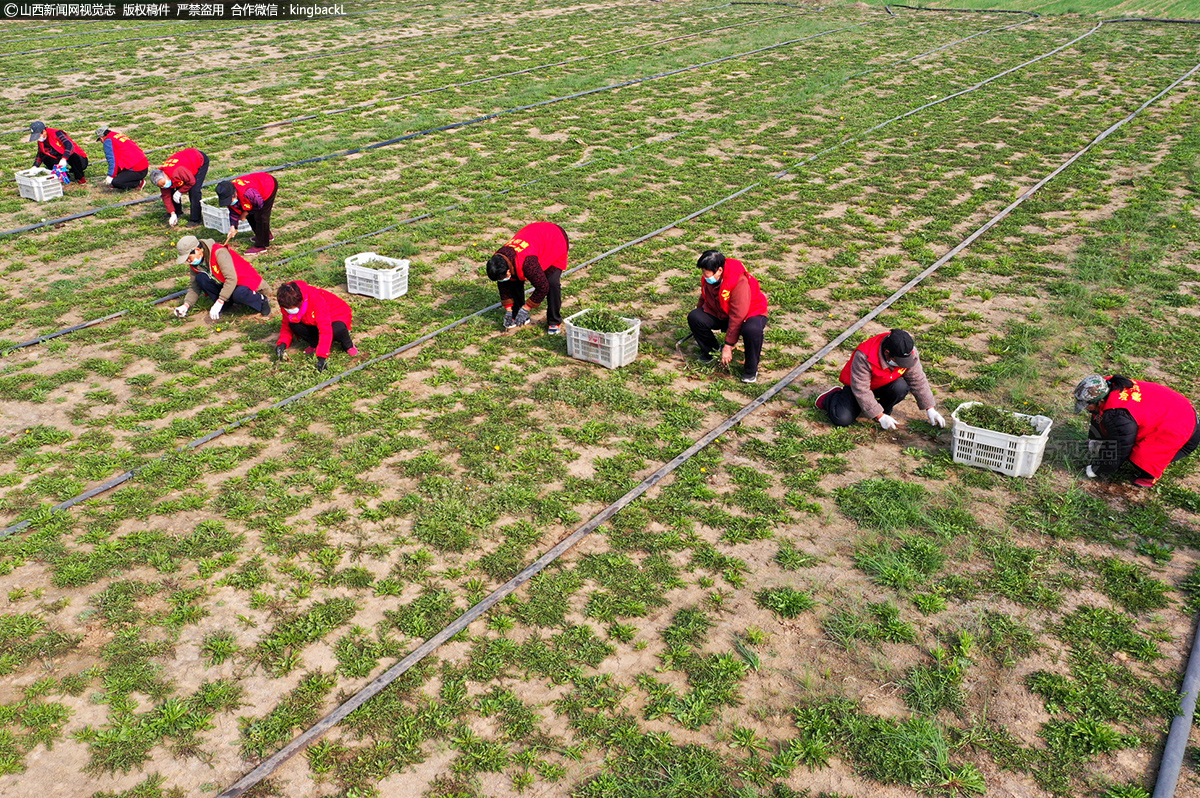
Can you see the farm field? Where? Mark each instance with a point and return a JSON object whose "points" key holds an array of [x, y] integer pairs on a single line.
{"points": [[788, 609]]}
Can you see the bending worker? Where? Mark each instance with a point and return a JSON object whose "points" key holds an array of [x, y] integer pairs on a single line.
{"points": [[222, 275], [538, 253], [881, 372], [317, 316], [1147, 424], [250, 198], [730, 300], [183, 171], [55, 148], [127, 164]]}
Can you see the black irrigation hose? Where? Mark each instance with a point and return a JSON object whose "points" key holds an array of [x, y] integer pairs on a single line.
{"points": [[335, 244], [453, 125], [431, 644], [964, 10]]}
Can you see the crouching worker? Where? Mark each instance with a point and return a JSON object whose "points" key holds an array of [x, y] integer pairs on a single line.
{"points": [[730, 300], [317, 316], [185, 171], [881, 372], [56, 148], [1147, 424], [127, 164], [220, 274], [249, 198], [537, 253]]}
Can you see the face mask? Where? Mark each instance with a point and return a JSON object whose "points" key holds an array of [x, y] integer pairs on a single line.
{"points": [[43, 137], [892, 364], [292, 311], [168, 185], [197, 261], [712, 280]]}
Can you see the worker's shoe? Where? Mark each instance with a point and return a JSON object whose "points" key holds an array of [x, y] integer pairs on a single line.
{"points": [[141, 185], [1145, 482], [82, 181], [749, 378], [192, 225], [256, 250], [266, 305], [554, 329], [352, 351], [308, 350], [821, 399], [704, 356]]}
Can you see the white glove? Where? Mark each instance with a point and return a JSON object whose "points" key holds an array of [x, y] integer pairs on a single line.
{"points": [[108, 181], [174, 220], [935, 418], [177, 197], [887, 422], [181, 311], [1090, 473], [62, 162], [214, 312]]}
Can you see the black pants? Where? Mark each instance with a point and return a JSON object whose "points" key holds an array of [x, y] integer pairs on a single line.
{"points": [[752, 332], [76, 164], [260, 220], [194, 193], [311, 335], [514, 291], [129, 178], [843, 408], [241, 294]]}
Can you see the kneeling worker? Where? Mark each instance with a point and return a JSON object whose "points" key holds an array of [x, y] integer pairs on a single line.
{"points": [[317, 316], [251, 198], [538, 253], [127, 164], [56, 148], [221, 274], [1142, 422], [881, 372], [730, 300]]}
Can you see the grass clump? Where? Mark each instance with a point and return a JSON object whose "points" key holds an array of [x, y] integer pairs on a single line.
{"points": [[995, 419]]}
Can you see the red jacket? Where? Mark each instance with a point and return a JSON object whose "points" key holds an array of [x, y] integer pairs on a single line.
{"points": [[126, 154], [247, 275], [736, 298], [259, 182], [544, 241], [1165, 421], [57, 138], [181, 169], [881, 373], [319, 308]]}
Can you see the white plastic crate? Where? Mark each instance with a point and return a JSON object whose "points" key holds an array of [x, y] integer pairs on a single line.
{"points": [[611, 350], [216, 218], [39, 184], [388, 281], [1015, 455]]}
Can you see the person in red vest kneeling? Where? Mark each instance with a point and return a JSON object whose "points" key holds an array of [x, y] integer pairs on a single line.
{"points": [[881, 372], [731, 301], [56, 148], [1147, 424], [317, 316], [127, 164], [537, 253], [221, 274], [250, 197]]}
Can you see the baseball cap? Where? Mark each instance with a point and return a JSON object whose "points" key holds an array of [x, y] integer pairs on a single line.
{"points": [[185, 247], [36, 129], [1091, 390]]}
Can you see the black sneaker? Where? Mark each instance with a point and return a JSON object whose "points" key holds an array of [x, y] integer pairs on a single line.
{"points": [[266, 305], [705, 356], [749, 378]]}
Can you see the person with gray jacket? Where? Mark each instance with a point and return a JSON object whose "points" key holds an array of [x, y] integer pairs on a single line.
{"points": [[883, 370]]}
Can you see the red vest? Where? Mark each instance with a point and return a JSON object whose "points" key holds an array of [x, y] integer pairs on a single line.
{"points": [[543, 239], [246, 273], [1165, 419], [881, 374], [189, 159], [126, 154], [733, 270], [52, 139], [261, 182]]}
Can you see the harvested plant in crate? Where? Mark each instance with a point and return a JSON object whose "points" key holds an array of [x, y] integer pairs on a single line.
{"points": [[604, 321], [997, 420]]}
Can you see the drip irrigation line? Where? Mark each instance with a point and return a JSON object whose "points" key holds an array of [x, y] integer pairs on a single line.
{"points": [[118, 314], [964, 10], [454, 125], [1181, 724], [431, 644], [411, 220]]}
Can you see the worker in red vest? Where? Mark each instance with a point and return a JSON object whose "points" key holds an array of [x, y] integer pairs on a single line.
{"points": [[1147, 424], [127, 164], [730, 300], [317, 316], [249, 197], [881, 372], [537, 253], [55, 148], [183, 171], [222, 275]]}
